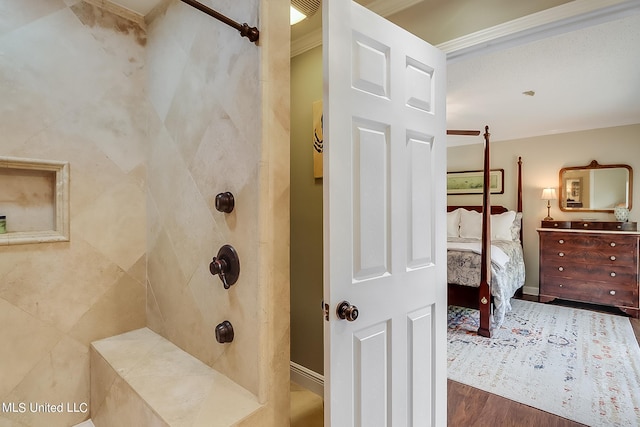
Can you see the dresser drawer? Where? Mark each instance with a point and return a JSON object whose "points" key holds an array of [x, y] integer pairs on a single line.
{"points": [[592, 292], [587, 225], [588, 241], [614, 274], [618, 256], [589, 248]]}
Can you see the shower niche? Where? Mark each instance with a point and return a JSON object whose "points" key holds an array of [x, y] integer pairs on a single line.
{"points": [[34, 198]]}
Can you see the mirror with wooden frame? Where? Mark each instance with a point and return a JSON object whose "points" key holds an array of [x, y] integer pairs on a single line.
{"points": [[595, 187]]}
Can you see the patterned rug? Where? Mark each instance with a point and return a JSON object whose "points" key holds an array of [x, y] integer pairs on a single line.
{"points": [[578, 364]]}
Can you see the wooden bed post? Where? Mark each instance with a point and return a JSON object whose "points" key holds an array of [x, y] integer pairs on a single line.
{"points": [[519, 206], [480, 297], [485, 260]]}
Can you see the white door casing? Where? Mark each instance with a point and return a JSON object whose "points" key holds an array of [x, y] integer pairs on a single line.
{"points": [[384, 222]]}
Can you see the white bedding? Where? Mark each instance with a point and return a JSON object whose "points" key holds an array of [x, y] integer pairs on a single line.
{"points": [[497, 255], [507, 270]]}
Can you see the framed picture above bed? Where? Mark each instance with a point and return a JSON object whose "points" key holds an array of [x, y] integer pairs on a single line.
{"points": [[470, 182]]}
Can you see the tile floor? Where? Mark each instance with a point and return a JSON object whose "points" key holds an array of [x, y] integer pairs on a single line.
{"points": [[307, 409]]}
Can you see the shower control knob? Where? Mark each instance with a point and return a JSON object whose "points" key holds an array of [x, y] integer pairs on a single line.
{"points": [[226, 265], [225, 202], [347, 311], [224, 332]]}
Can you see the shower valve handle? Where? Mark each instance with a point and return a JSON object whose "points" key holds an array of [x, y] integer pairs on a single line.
{"points": [[219, 266], [226, 265]]}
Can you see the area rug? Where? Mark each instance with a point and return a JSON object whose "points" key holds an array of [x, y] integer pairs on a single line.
{"points": [[577, 364]]}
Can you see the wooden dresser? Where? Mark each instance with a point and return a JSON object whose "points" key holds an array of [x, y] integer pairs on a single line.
{"points": [[590, 261]]}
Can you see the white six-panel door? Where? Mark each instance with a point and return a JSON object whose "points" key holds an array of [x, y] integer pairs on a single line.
{"points": [[384, 222]]}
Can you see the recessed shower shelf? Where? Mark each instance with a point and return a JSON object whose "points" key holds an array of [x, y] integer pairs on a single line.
{"points": [[34, 196]]}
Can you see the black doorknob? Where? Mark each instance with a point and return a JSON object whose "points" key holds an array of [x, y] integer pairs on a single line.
{"points": [[225, 202], [224, 332], [347, 311], [226, 265]]}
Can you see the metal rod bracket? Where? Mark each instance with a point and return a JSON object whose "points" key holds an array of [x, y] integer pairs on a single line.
{"points": [[245, 30]]}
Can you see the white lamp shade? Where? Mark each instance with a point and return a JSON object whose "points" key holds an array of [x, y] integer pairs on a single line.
{"points": [[549, 194]]}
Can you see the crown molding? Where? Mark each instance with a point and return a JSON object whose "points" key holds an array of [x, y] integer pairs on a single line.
{"points": [[306, 42], [560, 19], [566, 17]]}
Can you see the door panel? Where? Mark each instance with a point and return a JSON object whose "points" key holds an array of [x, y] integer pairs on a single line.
{"points": [[373, 375], [419, 362], [419, 233], [371, 203], [384, 229]]}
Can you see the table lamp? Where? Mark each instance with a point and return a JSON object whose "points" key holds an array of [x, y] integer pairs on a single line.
{"points": [[548, 194]]}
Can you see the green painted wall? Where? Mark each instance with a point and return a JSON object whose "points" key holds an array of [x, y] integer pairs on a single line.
{"points": [[306, 216]]}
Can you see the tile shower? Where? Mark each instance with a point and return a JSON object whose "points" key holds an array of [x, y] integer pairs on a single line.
{"points": [[154, 123]]}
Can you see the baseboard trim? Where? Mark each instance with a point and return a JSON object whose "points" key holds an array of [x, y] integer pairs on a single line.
{"points": [[307, 378], [530, 290]]}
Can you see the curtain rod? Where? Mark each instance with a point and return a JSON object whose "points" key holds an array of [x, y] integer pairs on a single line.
{"points": [[251, 33]]}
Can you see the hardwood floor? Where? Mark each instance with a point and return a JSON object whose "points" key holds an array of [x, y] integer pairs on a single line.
{"points": [[464, 403]]}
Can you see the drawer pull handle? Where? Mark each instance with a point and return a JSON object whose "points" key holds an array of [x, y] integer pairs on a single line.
{"points": [[561, 254], [612, 292], [562, 269], [612, 258], [613, 244], [585, 225], [618, 227], [613, 274], [561, 241], [561, 285]]}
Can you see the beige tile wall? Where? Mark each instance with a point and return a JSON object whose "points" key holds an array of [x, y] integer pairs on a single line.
{"points": [[207, 141], [223, 104], [71, 91]]}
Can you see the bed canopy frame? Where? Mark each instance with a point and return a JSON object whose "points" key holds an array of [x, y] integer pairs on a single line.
{"points": [[480, 298]]}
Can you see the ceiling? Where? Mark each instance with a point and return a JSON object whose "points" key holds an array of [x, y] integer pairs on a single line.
{"points": [[585, 75]]}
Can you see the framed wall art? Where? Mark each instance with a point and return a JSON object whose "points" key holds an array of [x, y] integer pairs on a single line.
{"points": [[471, 182], [317, 139]]}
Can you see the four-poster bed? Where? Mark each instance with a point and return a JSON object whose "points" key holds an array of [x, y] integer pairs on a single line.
{"points": [[485, 267]]}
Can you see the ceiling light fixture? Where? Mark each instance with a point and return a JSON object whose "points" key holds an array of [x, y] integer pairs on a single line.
{"points": [[296, 16], [301, 9]]}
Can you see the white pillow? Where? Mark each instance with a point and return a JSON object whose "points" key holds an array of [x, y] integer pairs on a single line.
{"points": [[453, 223], [470, 224], [501, 225], [515, 227]]}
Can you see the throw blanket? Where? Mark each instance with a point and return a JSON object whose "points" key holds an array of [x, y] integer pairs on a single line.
{"points": [[507, 270], [497, 255]]}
